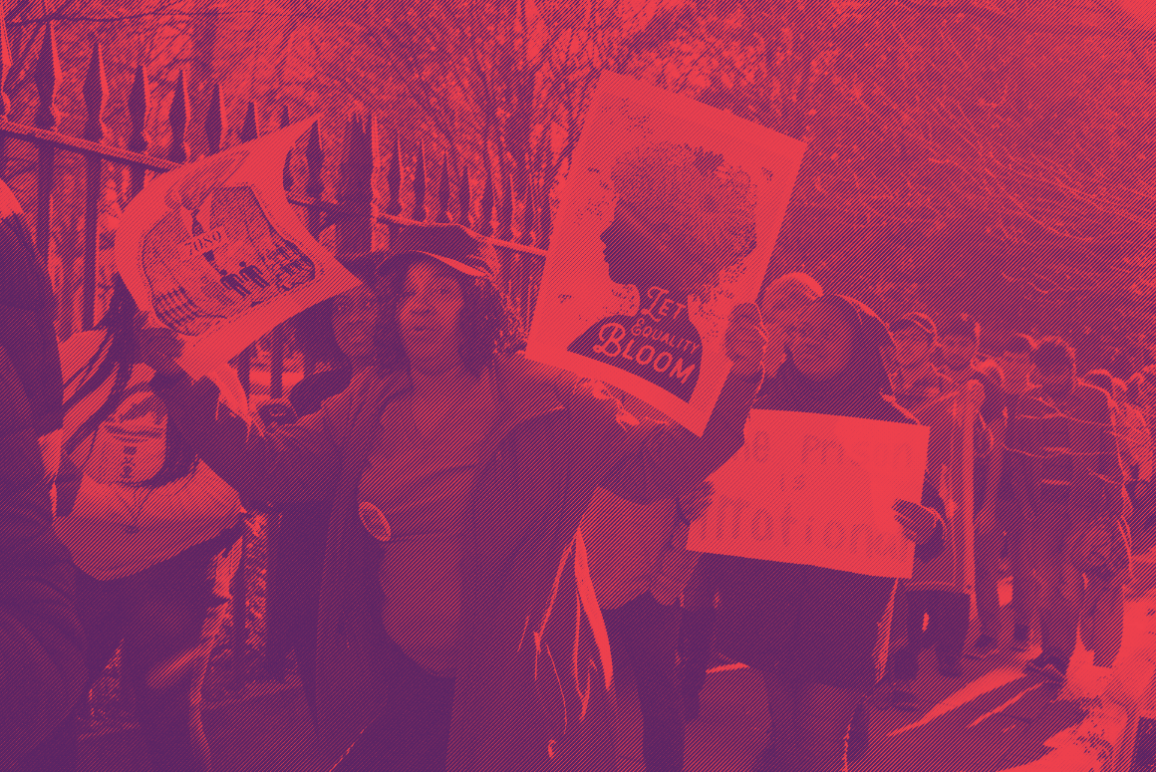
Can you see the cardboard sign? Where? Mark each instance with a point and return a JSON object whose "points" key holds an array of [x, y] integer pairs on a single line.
{"points": [[668, 219], [214, 251], [817, 490]]}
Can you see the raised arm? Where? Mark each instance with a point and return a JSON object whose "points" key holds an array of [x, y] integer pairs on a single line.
{"points": [[666, 460], [288, 463]]}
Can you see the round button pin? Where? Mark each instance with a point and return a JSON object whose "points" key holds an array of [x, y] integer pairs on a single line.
{"points": [[374, 521]]}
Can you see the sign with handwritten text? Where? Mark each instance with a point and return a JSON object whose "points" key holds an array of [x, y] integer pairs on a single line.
{"points": [[817, 490]]}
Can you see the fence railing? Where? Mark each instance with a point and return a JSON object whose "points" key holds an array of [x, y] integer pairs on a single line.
{"points": [[352, 213]]}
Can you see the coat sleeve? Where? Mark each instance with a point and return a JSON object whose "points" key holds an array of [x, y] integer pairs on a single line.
{"points": [[665, 460], [288, 463], [42, 671]]}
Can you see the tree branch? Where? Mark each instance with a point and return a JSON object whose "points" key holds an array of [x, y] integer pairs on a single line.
{"points": [[1057, 29]]}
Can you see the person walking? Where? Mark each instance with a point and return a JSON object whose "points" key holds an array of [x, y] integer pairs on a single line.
{"points": [[959, 338], [339, 333], [783, 299], [939, 590], [1134, 440], [458, 626], [818, 636], [1072, 484], [1016, 366]]}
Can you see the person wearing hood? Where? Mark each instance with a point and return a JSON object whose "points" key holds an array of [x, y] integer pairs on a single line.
{"points": [[819, 636], [459, 629]]}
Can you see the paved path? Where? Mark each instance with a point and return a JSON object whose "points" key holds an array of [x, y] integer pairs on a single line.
{"points": [[993, 719]]}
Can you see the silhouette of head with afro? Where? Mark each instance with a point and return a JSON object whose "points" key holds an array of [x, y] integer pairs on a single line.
{"points": [[682, 216]]}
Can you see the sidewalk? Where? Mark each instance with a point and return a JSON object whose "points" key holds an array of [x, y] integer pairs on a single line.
{"points": [[995, 719]]}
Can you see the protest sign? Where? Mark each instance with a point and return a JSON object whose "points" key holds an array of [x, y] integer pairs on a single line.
{"points": [[213, 251], [817, 490], [668, 220]]}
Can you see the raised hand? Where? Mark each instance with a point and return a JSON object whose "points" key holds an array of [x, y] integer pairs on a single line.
{"points": [[917, 520], [746, 339]]}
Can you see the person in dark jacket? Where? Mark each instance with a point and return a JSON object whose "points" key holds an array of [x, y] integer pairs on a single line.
{"points": [[337, 333], [42, 648], [819, 635], [458, 627]]}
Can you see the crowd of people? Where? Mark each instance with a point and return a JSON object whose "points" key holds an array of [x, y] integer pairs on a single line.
{"points": [[471, 547]]}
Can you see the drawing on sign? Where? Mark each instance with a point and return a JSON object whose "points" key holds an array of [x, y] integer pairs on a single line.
{"points": [[682, 216], [666, 221], [231, 258]]}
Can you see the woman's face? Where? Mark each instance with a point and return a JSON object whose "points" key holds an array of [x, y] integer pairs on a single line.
{"points": [[822, 345], [354, 318], [636, 255], [428, 314], [781, 313]]}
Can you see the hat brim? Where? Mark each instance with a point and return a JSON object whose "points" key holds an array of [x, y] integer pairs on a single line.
{"points": [[476, 267]]}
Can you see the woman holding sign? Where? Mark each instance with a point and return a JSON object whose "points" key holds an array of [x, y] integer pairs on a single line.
{"points": [[458, 624], [815, 633]]}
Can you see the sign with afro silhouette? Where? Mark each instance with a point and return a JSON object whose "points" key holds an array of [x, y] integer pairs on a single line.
{"points": [[668, 219], [214, 251]]}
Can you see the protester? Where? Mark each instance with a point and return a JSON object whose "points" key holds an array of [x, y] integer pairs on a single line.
{"points": [[1143, 383], [42, 649], [1016, 366], [149, 529], [639, 565], [1134, 441], [1143, 505], [337, 333], [1072, 485], [959, 341], [448, 637], [939, 589], [916, 380], [783, 299], [782, 302], [816, 634]]}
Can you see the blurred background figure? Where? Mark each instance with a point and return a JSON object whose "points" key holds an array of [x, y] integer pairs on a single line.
{"points": [[42, 650], [1134, 441], [338, 335], [151, 530]]}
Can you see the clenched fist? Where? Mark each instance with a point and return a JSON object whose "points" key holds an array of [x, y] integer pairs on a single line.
{"points": [[746, 339]]}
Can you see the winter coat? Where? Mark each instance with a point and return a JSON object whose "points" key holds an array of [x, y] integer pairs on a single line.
{"points": [[1098, 504], [42, 643], [533, 684], [953, 569]]}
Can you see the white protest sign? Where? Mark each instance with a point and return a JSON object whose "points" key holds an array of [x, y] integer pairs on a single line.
{"points": [[668, 220], [817, 490], [214, 251]]}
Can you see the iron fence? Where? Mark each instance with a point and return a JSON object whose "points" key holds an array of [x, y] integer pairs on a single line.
{"points": [[352, 213]]}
